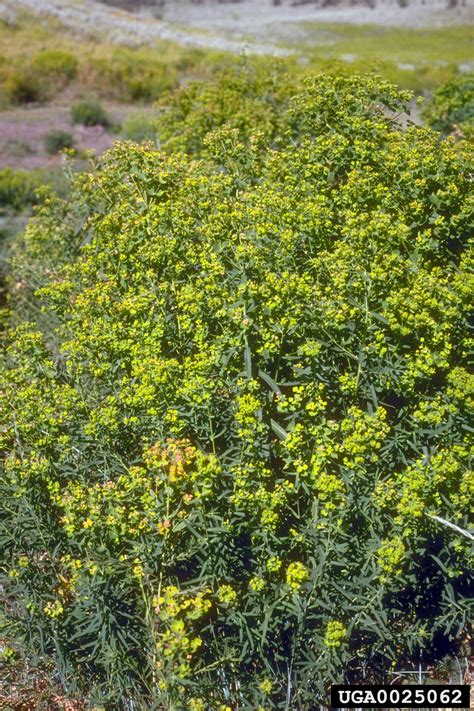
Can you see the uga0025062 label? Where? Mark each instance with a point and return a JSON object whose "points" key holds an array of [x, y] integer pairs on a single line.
{"points": [[401, 696]]}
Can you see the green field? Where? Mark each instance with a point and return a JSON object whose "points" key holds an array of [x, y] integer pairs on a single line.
{"points": [[416, 58]]}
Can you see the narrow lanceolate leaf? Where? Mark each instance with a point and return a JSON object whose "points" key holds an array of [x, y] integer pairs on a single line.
{"points": [[248, 362], [278, 430], [269, 381], [460, 530]]}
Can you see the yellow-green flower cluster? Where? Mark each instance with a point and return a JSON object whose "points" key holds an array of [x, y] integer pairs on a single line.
{"points": [[296, 575], [226, 595], [335, 635], [390, 555], [176, 643]]}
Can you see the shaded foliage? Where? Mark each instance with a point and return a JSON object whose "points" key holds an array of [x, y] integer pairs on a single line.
{"points": [[451, 108]]}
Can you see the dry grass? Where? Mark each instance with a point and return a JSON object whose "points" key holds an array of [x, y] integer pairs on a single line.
{"points": [[25, 687]]}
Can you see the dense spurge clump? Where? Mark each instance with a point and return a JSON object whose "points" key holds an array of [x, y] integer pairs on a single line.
{"points": [[243, 401]]}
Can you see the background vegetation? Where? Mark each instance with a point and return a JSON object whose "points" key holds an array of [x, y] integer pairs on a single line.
{"points": [[31, 71]]}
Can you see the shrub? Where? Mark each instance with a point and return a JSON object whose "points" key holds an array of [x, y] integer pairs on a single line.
{"points": [[134, 75], [17, 188], [41, 78], [56, 141], [451, 108], [226, 444], [55, 65], [19, 148], [140, 127], [23, 87], [89, 113]]}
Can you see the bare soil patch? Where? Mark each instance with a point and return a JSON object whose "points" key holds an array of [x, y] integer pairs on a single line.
{"points": [[23, 132]]}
